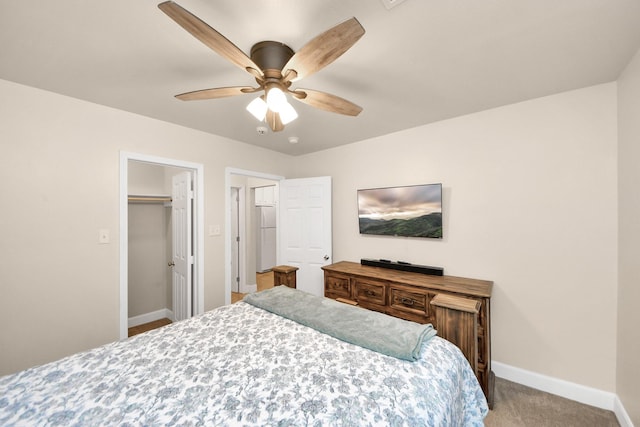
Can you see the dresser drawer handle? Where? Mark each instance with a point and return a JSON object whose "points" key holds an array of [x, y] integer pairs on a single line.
{"points": [[407, 301], [369, 293]]}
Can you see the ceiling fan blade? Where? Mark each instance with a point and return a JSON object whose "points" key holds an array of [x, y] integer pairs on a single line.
{"points": [[327, 102], [323, 49], [273, 119], [218, 92], [210, 37]]}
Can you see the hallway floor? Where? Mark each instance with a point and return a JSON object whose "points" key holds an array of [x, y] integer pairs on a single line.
{"points": [[135, 330]]}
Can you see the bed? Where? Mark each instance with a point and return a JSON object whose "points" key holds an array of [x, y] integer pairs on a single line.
{"points": [[245, 365]]}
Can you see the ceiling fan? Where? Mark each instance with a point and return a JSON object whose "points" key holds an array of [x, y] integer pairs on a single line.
{"points": [[275, 66]]}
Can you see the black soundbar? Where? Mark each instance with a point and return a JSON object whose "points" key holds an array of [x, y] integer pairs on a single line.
{"points": [[403, 266]]}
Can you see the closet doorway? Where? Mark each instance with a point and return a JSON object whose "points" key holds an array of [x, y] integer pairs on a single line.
{"points": [[161, 264]]}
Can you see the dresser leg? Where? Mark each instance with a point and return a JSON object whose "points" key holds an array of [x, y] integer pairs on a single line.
{"points": [[491, 388]]}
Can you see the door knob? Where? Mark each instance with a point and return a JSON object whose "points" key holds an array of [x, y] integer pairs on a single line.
{"points": [[326, 257], [171, 264]]}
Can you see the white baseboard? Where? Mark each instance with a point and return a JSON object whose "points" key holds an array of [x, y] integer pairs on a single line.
{"points": [[580, 393], [150, 317], [621, 414]]}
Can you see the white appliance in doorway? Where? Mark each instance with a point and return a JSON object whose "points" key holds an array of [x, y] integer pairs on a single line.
{"points": [[266, 232]]}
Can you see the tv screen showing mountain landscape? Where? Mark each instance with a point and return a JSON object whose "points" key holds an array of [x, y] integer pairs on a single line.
{"points": [[411, 211]]}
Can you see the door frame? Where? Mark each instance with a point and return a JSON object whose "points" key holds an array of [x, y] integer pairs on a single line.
{"points": [[227, 222], [241, 235], [197, 170]]}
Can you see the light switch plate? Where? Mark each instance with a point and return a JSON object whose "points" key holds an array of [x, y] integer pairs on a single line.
{"points": [[214, 230]]}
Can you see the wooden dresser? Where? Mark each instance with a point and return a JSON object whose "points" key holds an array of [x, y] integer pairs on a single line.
{"points": [[459, 308]]}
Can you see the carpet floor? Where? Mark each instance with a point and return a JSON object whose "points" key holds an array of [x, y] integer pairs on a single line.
{"points": [[516, 405]]}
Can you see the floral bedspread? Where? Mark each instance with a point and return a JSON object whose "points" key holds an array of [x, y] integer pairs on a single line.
{"points": [[239, 365]]}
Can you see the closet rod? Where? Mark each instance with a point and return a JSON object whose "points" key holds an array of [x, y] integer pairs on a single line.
{"points": [[149, 198]]}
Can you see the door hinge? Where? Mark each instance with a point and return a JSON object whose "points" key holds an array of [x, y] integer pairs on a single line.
{"points": [[237, 238]]}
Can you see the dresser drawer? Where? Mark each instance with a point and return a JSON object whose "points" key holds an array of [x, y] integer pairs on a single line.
{"points": [[370, 292], [410, 303], [337, 286]]}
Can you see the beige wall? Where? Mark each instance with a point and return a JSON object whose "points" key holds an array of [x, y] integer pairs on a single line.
{"points": [[628, 387], [148, 284], [59, 183], [529, 202], [147, 179]]}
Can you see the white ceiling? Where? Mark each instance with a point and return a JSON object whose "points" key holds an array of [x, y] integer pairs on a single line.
{"points": [[419, 62]]}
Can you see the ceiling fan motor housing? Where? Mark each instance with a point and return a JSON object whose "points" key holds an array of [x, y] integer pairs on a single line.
{"points": [[270, 55]]}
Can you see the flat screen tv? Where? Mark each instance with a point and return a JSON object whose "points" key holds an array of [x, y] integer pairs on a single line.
{"points": [[411, 211]]}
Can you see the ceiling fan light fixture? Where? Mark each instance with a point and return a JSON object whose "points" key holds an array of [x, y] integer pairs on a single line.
{"points": [[276, 99], [258, 108], [287, 114]]}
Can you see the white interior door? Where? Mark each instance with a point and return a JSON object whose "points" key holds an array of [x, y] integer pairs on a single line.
{"points": [[305, 230], [182, 197]]}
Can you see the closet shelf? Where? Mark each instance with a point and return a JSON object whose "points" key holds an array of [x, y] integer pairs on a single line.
{"points": [[149, 199]]}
